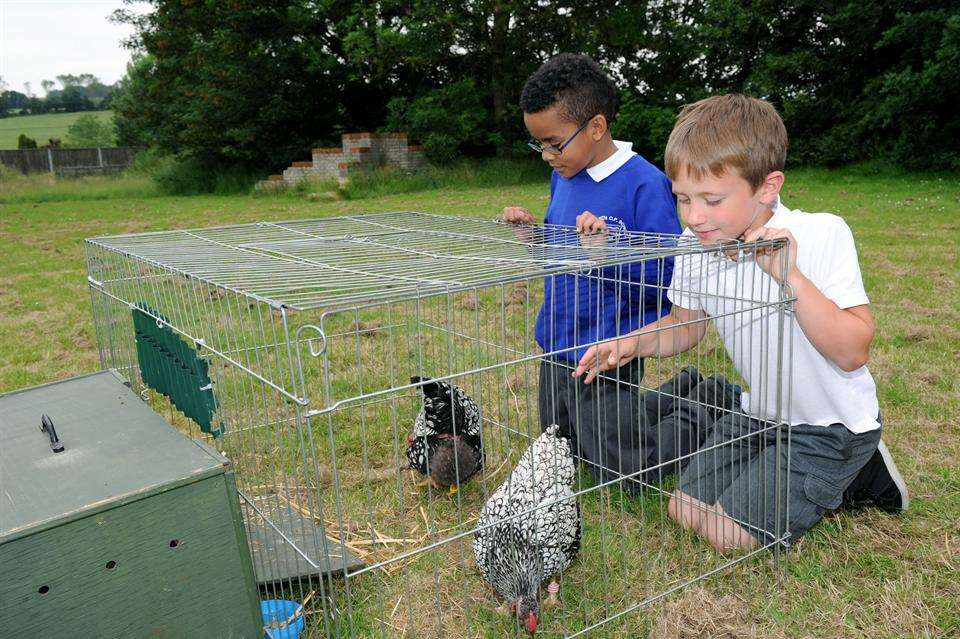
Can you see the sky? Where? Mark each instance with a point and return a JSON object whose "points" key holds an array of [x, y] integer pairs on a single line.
{"points": [[41, 39]]}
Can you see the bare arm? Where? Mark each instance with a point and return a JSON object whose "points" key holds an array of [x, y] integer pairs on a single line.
{"points": [[679, 331], [842, 335]]}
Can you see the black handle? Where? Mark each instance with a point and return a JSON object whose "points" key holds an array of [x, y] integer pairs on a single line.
{"points": [[46, 425]]}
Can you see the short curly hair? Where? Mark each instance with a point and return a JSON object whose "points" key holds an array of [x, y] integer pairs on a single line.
{"points": [[576, 84]]}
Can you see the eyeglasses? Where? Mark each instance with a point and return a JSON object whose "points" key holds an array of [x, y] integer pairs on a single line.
{"points": [[553, 149]]}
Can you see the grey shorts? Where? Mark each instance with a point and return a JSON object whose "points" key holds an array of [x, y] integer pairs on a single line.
{"points": [[737, 467]]}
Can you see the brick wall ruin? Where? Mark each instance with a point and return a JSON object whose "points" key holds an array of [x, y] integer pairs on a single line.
{"points": [[357, 152]]}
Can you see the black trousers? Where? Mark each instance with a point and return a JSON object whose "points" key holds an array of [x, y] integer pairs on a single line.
{"points": [[617, 430], [680, 414], [601, 419]]}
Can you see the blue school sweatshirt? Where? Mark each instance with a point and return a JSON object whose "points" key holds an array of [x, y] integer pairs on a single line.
{"points": [[585, 308]]}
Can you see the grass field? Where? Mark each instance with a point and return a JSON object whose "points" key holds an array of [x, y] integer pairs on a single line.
{"points": [[41, 127], [854, 575]]}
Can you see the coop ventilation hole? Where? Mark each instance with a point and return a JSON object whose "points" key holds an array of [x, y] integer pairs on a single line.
{"points": [[111, 564], [43, 590], [174, 543]]}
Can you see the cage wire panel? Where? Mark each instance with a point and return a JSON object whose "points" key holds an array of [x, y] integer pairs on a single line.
{"points": [[311, 333]]}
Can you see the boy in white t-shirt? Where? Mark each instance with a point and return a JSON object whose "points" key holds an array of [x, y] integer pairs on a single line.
{"points": [[725, 157]]}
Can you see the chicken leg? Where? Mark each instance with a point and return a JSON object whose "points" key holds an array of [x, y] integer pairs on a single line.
{"points": [[429, 481], [552, 589]]}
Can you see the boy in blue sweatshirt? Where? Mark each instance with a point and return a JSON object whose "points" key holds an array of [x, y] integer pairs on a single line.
{"points": [[598, 185]]}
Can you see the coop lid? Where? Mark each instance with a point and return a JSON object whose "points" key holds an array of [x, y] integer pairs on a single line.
{"points": [[116, 450], [304, 264]]}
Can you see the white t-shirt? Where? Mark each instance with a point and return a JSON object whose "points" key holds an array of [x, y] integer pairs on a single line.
{"points": [[743, 301]]}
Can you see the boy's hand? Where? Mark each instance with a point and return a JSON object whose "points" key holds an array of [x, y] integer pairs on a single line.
{"points": [[770, 259], [588, 224], [605, 356], [516, 215]]}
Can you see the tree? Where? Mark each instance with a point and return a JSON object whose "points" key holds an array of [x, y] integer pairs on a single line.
{"points": [[52, 101], [15, 99], [446, 120], [913, 116], [853, 80], [47, 85], [68, 80], [72, 99], [96, 91], [90, 130], [257, 84], [136, 108], [37, 106], [23, 142], [110, 92], [429, 48]]}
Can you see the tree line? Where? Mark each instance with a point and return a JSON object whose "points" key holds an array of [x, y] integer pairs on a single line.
{"points": [[258, 83], [81, 92]]}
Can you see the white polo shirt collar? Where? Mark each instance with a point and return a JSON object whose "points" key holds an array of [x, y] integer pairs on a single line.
{"points": [[601, 171], [778, 210]]}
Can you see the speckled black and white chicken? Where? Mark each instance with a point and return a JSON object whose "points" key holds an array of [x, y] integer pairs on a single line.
{"points": [[445, 443], [517, 553]]}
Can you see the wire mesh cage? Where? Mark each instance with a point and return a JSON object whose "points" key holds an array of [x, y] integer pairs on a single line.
{"points": [[312, 352]]}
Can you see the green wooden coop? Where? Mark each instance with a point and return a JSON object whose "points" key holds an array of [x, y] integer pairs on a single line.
{"points": [[130, 529]]}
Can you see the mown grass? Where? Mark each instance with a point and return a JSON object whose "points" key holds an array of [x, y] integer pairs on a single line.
{"points": [[855, 574], [353, 474], [41, 127]]}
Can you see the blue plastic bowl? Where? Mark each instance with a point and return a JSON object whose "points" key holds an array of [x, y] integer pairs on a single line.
{"points": [[278, 611]]}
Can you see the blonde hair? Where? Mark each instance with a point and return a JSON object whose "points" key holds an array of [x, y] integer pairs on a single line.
{"points": [[724, 131]]}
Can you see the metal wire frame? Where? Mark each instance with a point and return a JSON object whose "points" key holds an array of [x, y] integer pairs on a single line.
{"points": [[313, 379], [303, 264], [320, 264]]}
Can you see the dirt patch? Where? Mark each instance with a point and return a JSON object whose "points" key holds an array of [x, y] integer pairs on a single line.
{"points": [[931, 377], [468, 302], [133, 227], [367, 328], [917, 334], [518, 294], [886, 265], [698, 613]]}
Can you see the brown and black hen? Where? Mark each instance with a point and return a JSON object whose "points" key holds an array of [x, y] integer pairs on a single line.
{"points": [[445, 444]]}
